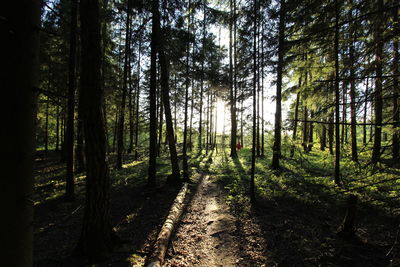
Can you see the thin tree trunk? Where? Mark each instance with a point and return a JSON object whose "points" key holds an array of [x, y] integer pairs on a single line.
{"points": [[296, 118], [200, 142], [153, 95], [168, 117], [137, 101], [69, 138], [185, 166], [253, 147], [365, 114], [353, 111], [396, 73], [46, 126], [337, 97], [376, 152], [233, 153], [278, 113], [57, 128], [121, 121]]}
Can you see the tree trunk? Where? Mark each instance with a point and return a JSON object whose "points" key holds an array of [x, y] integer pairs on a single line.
{"points": [[121, 121], [57, 128], [20, 55], [376, 152], [296, 118], [168, 117], [46, 126], [69, 138], [137, 101], [305, 128], [365, 114], [153, 95], [232, 99], [353, 111], [200, 142], [278, 113], [396, 73], [323, 137], [337, 97], [97, 237]]}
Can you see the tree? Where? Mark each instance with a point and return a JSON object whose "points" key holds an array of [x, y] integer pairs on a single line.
{"points": [[278, 114], [20, 53], [121, 121], [97, 237], [69, 138], [153, 95]]}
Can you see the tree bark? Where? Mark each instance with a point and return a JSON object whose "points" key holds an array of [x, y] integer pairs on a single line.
{"points": [[376, 151], [278, 113], [69, 138], [97, 237], [153, 95], [20, 56], [121, 121], [396, 73], [233, 153], [137, 101], [337, 97]]}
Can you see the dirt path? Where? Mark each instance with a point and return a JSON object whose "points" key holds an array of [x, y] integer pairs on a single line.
{"points": [[207, 235]]}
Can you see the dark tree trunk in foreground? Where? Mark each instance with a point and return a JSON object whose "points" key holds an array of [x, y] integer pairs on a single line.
{"points": [[97, 236], [69, 138], [365, 113], [278, 114], [121, 121], [376, 152], [153, 95], [20, 54]]}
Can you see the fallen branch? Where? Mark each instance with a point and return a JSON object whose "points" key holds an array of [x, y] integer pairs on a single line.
{"points": [[170, 223]]}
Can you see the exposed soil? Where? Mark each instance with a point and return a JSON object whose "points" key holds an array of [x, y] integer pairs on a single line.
{"points": [[208, 234]]}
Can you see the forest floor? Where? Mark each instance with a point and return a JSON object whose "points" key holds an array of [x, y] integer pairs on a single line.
{"points": [[294, 223]]}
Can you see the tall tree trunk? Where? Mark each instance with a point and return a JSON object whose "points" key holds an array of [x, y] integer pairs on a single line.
{"points": [[97, 237], [200, 142], [376, 152], [337, 97], [137, 101], [121, 121], [20, 54], [365, 114], [262, 92], [232, 99], [344, 113], [331, 134], [353, 111], [253, 146], [185, 166], [69, 138], [278, 114], [168, 117], [396, 73], [153, 95]]}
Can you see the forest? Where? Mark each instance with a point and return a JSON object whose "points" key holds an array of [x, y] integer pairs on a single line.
{"points": [[200, 133]]}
